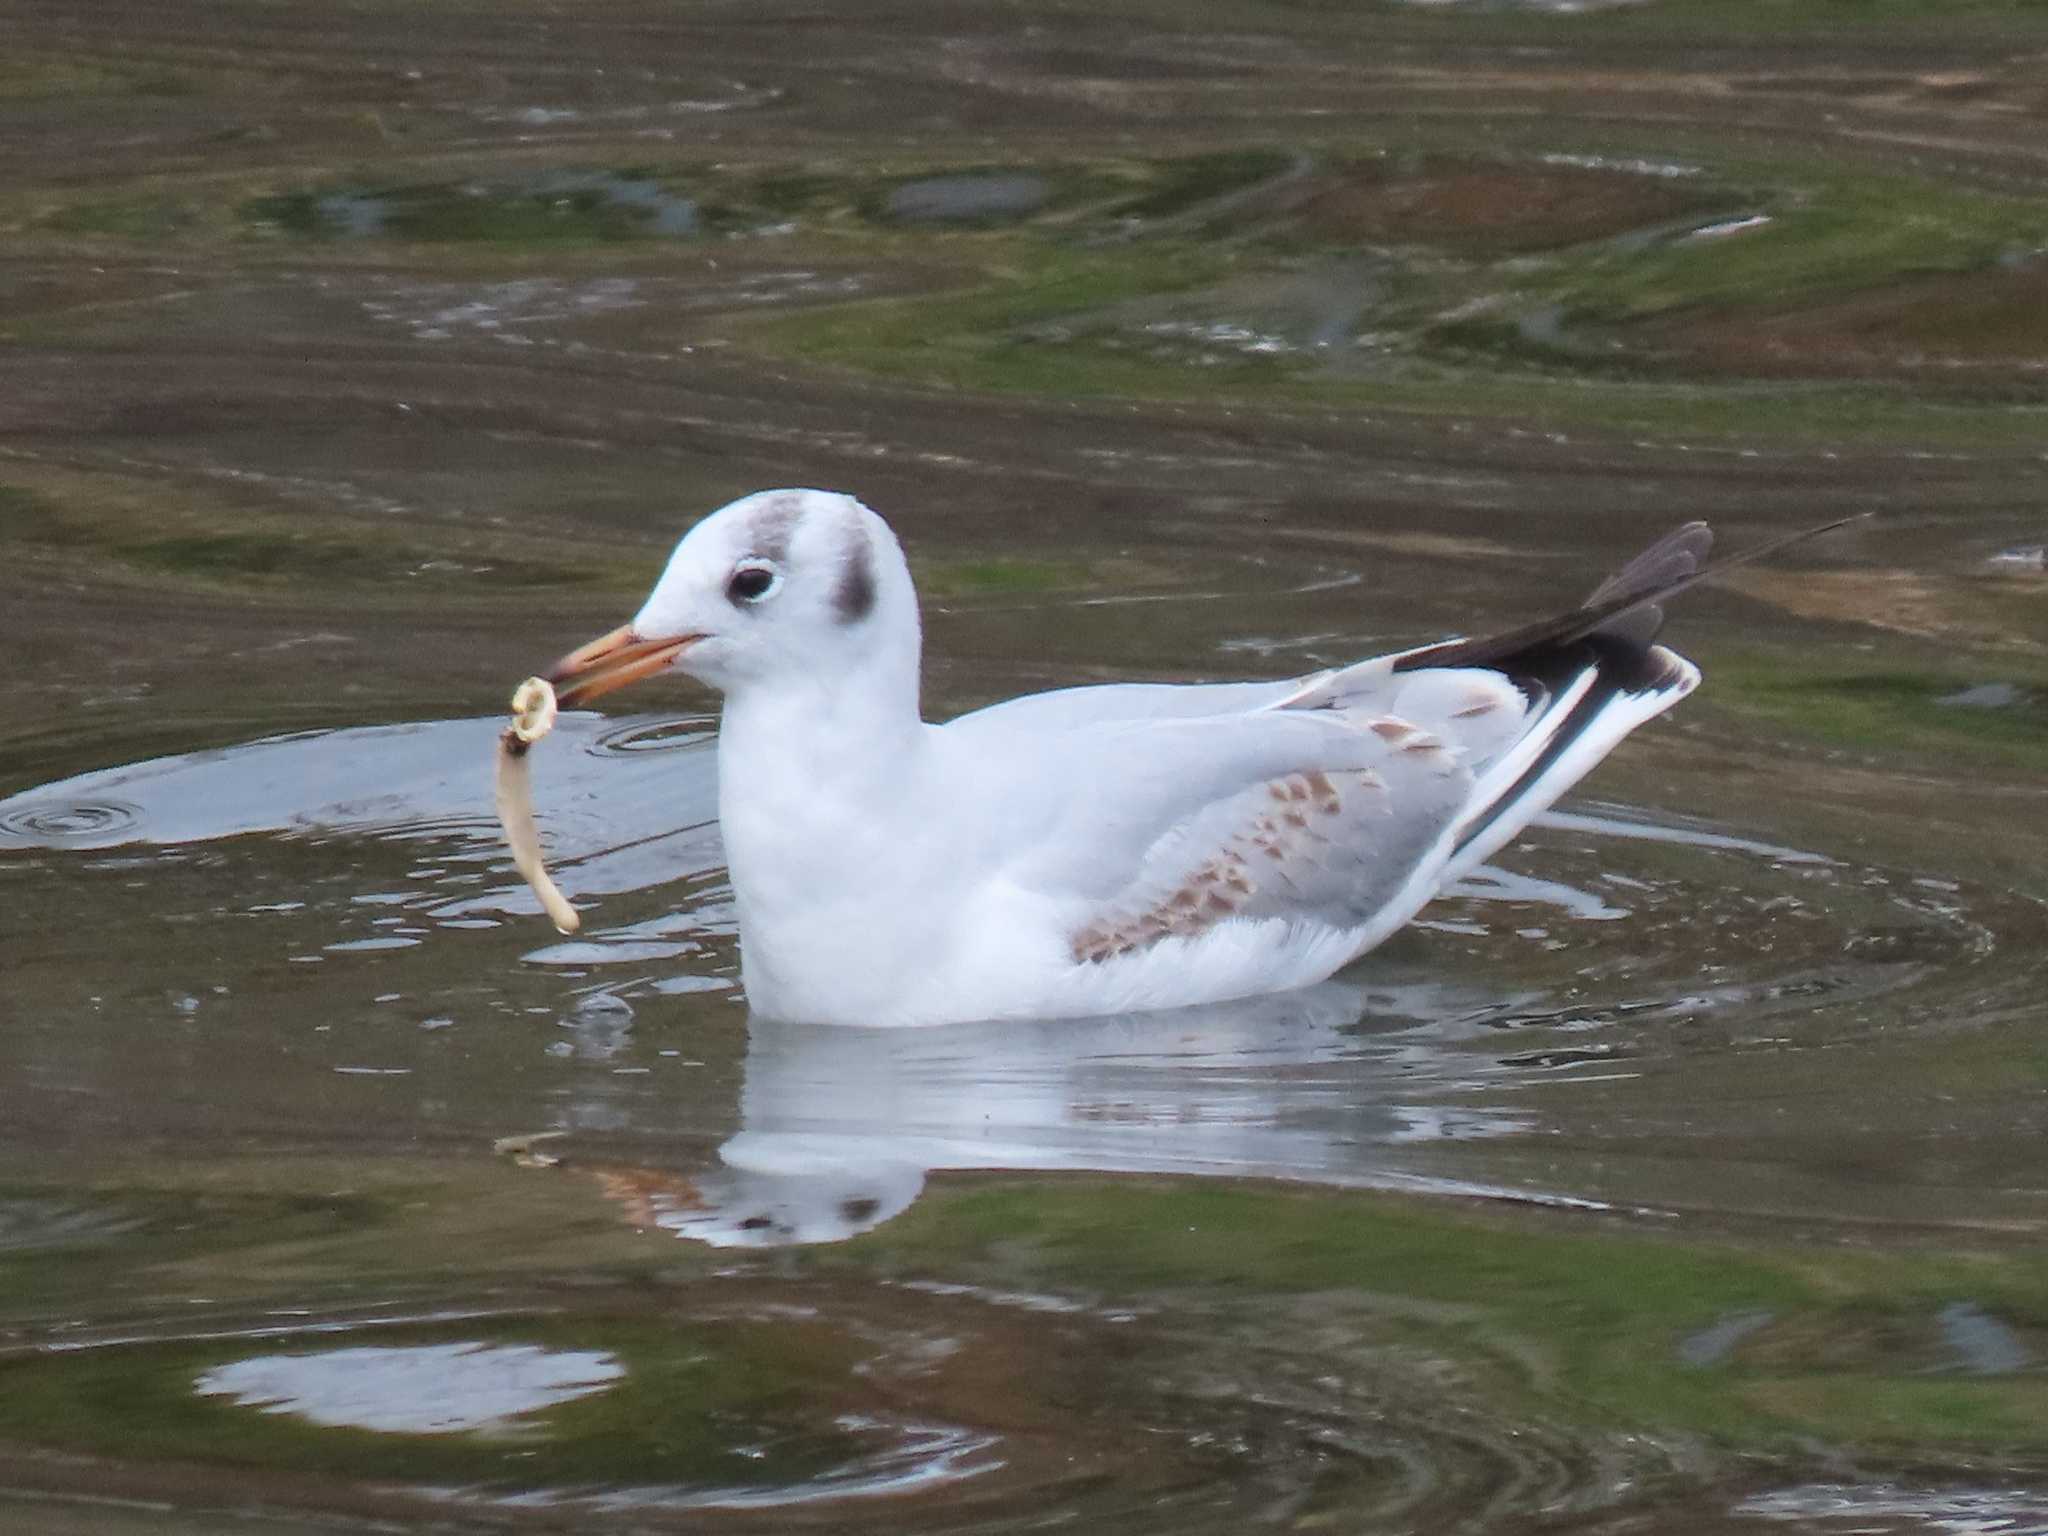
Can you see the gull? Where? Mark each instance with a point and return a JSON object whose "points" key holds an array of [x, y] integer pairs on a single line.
{"points": [[1101, 849]]}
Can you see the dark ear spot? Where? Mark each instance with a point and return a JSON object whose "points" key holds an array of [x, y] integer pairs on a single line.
{"points": [[854, 598]]}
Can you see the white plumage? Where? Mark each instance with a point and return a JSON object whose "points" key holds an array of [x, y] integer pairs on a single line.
{"points": [[1099, 849]]}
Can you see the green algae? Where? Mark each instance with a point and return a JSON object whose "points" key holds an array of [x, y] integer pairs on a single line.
{"points": [[697, 1402], [599, 205], [964, 578], [549, 208], [1823, 229], [36, 75], [159, 533], [148, 219], [1182, 186], [1583, 1322], [1904, 23], [1562, 1320], [1052, 312], [1110, 284], [1871, 706]]}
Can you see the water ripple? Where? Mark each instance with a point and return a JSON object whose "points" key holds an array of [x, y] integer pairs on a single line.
{"points": [[61, 823], [654, 735]]}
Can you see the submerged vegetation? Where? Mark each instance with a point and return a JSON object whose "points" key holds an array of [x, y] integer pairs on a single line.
{"points": [[166, 538], [349, 376], [1604, 281], [1942, 719], [1571, 286], [1612, 1327], [1590, 1328]]}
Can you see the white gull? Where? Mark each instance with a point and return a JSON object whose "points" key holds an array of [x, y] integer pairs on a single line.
{"points": [[1099, 849]]}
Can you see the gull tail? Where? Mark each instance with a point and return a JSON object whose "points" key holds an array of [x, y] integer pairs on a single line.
{"points": [[1590, 676]]}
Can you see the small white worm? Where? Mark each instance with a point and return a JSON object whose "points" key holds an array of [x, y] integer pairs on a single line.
{"points": [[533, 716]]}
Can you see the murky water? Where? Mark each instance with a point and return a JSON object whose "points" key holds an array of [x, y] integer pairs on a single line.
{"points": [[1681, 1172]]}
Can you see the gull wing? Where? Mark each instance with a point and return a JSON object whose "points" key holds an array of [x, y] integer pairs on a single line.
{"points": [[1344, 800], [1317, 818], [1065, 709]]}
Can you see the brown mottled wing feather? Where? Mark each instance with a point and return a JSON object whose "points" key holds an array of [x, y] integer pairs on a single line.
{"points": [[1324, 845]]}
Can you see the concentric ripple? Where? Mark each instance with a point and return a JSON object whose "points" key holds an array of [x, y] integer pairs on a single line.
{"points": [[636, 735], [60, 823]]}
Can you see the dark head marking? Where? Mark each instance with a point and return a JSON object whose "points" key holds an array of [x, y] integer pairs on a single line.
{"points": [[854, 598], [772, 525]]}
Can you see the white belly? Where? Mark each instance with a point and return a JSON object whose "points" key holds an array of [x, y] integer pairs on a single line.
{"points": [[861, 963]]}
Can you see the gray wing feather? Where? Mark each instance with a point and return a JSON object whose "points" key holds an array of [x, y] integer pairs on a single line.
{"points": [[1308, 817]]}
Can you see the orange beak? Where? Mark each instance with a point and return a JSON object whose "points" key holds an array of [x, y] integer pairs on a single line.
{"points": [[612, 661]]}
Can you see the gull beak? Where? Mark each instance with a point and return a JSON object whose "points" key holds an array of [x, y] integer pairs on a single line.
{"points": [[612, 661]]}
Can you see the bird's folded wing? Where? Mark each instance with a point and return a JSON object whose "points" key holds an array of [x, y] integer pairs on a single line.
{"points": [[1066, 709], [1170, 827]]}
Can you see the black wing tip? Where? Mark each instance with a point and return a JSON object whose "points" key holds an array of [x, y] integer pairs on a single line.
{"points": [[1655, 672], [1625, 611], [1660, 669]]}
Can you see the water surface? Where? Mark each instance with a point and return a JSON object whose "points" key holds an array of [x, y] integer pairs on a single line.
{"points": [[1682, 1171]]}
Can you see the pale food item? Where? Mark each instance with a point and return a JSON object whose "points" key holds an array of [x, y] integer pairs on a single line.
{"points": [[533, 716], [533, 709]]}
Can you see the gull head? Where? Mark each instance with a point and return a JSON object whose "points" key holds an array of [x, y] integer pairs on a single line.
{"points": [[792, 586]]}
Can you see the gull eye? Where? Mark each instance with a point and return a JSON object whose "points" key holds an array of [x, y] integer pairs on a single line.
{"points": [[751, 581]]}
